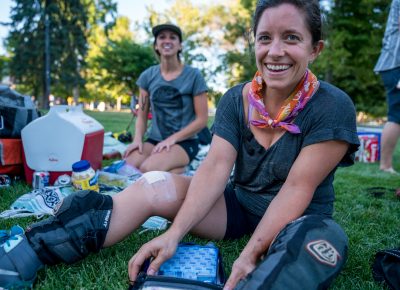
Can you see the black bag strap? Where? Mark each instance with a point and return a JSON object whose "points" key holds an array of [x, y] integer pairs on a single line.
{"points": [[386, 268]]}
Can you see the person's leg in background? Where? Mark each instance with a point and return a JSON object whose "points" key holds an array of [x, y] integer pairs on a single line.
{"points": [[390, 135], [175, 160], [391, 130]]}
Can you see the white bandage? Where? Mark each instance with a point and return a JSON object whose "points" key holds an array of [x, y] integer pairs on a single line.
{"points": [[160, 186]]}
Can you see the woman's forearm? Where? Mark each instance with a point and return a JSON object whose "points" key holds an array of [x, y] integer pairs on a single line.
{"points": [[191, 129], [206, 187], [286, 207], [141, 120], [140, 127]]}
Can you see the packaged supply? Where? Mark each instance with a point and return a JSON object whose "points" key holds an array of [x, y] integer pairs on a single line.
{"points": [[63, 180]]}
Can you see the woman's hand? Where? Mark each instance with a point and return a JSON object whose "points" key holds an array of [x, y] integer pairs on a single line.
{"points": [[243, 265], [165, 144], [161, 249], [135, 145]]}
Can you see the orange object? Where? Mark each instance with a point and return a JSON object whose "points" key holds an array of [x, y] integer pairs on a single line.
{"points": [[11, 156]]}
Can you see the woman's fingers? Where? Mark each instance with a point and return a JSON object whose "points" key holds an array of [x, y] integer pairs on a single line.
{"points": [[161, 146], [241, 267], [233, 279], [160, 248], [156, 263], [132, 147], [136, 262]]}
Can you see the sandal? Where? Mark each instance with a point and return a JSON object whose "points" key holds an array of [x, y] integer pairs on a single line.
{"points": [[390, 170]]}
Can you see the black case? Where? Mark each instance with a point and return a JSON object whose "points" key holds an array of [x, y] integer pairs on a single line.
{"points": [[167, 282]]}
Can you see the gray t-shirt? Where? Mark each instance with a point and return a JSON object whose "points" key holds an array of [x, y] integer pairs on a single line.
{"points": [[260, 173], [390, 53], [171, 101]]}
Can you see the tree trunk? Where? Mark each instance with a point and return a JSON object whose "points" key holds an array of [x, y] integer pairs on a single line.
{"points": [[75, 94], [119, 100]]}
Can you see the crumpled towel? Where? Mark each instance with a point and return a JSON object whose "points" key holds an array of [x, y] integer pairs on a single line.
{"points": [[38, 202]]}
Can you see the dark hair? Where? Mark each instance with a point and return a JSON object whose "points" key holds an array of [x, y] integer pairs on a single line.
{"points": [[310, 7]]}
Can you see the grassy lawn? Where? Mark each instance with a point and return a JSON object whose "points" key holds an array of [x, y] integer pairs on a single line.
{"points": [[372, 223]]}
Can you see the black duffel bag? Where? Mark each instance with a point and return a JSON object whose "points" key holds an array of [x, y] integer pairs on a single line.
{"points": [[16, 111], [386, 268]]}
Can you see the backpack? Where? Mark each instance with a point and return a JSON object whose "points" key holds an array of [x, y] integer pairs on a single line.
{"points": [[386, 268], [16, 111]]}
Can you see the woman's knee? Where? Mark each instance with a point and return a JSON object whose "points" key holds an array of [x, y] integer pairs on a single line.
{"points": [[147, 166], [160, 189]]}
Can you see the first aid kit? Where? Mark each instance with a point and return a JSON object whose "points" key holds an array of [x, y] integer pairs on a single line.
{"points": [[193, 267]]}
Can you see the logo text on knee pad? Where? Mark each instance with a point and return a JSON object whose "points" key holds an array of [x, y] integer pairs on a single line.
{"points": [[106, 219], [324, 252]]}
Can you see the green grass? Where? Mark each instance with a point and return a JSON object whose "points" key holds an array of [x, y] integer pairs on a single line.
{"points": [[372, 223]]}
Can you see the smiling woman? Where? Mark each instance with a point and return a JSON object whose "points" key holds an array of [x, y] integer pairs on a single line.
{"points": [[177, 96], [284, 133], [284, 50]]}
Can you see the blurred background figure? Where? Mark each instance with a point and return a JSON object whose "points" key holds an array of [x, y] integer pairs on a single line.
{"points": [[176, 94], [388, 66]]}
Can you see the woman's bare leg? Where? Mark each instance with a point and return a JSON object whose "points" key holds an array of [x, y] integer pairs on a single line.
{"points": [[173, 160], [154, 196], [136, 159]]}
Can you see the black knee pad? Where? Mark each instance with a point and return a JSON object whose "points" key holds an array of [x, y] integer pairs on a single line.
{"points": [[79, 227], [307, 254]]}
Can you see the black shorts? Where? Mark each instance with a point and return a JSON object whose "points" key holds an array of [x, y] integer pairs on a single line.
{"points": [[240, 222], [191, 146]]}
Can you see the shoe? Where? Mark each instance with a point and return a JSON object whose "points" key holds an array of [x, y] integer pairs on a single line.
{"points": [[390, 170], [19, 263]]}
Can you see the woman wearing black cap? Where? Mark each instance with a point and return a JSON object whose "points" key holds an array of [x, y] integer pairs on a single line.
{"points": [[177, 96]]}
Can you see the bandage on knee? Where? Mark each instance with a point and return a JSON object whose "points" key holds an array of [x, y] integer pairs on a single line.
{"points": [[78, 228], [160, 186]]}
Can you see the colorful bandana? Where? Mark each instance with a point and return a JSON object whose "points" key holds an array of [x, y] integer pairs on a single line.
{"points": [[290, 108]]}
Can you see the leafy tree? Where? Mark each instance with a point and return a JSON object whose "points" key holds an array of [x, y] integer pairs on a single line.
{"points": [[4, 60], [123, 61], [69, 23], [354, 34], [204, 28], [239, 60], [115, 62]]}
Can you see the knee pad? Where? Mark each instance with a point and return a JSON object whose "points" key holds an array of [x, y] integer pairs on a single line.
{"points": [[307, 254], [18, 261], [79, 227]]}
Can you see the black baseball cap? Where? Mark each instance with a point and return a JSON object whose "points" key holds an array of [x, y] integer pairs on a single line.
{"points": [[167, 26]]}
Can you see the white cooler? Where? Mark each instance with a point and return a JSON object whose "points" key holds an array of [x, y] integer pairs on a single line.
{"points": [[62, 137]]}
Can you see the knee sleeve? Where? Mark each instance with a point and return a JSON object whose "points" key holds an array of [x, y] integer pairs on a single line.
{"points": [[79, 227], [307, 254]]}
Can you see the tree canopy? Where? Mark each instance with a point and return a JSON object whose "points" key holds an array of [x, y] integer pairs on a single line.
{"points": [[104, 58], [68, 24]]}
